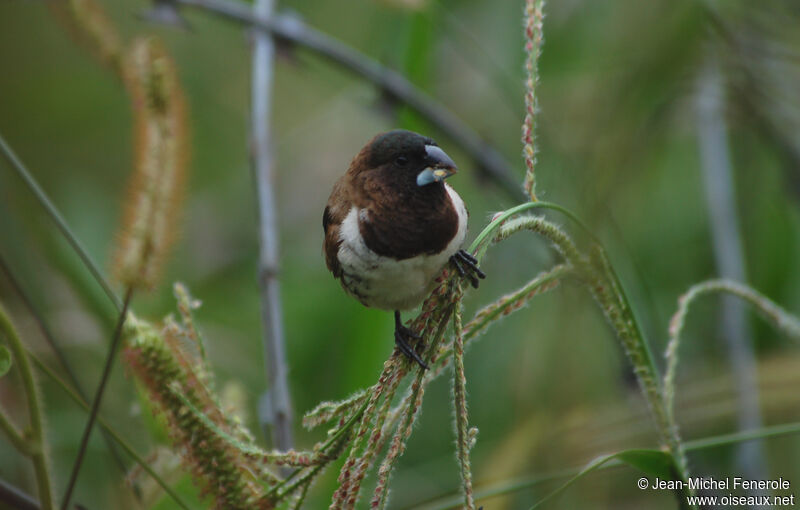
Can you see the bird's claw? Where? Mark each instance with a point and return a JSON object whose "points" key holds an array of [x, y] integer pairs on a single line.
{"points": [[401, 336], [467, 265], [402, 344], [408, 333]]}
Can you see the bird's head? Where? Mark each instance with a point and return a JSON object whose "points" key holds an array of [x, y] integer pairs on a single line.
{"points": [[407, 155]]}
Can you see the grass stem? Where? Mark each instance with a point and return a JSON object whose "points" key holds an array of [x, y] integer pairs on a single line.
{"points": [[55, 215], [98, 397], [36, 444]]}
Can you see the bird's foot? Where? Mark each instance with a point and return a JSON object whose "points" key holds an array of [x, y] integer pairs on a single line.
{"points": [[401, 336], [467, 265]]}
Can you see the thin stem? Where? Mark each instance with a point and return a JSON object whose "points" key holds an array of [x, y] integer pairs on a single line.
{"points": [[479, 245], [612, 299], [489, 161], [499, 489], [553, 233], [14, 435], [460, 404], [390, 372], [37, 447], [56, 216], [72, 394], [98, 397], [274, 343], [784, 429], [15, 498], [601, 278], [508, 303], [533, 48], [303, 481], [398, 444], [526, 482], [717, 171], [346, 427], [354, 418], [780, 318], [605, 285], [373, 442], [60, 356], [298, 504], [328, 411], [37, 317]]}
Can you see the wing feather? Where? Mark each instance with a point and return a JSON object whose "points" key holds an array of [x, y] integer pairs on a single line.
{"points": [[335, 212]]}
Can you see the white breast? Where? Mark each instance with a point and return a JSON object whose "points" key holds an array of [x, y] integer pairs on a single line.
{"points": [[383, 282]]}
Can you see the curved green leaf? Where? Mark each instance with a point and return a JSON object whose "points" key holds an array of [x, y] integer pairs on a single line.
{"points": [[652, 462], [480, 242], [526, 482]]}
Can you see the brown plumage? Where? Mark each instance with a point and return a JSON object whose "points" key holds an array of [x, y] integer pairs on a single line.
{"points": [[391, 225]]}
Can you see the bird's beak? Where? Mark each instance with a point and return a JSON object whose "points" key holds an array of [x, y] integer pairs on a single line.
{"points": [[439, 168]]}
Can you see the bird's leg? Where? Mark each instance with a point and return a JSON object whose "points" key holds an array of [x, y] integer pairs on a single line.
{"points": [[401, 336], [467, 265]]}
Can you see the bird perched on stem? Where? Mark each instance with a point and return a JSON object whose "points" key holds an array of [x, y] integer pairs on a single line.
{"points": [[392, 224]]}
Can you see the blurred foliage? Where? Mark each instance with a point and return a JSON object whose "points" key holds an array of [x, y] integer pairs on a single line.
{"points": [[548, 388]]}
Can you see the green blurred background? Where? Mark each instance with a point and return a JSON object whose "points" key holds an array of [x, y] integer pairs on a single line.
{"points": [[548, 387]]}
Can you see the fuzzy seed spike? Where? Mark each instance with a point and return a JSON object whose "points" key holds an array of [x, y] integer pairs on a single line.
{"points": [[90, 26], [160, 147]]}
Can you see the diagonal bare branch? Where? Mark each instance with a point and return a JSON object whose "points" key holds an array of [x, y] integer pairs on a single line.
{"points": [[278, 405], [491, 164]]}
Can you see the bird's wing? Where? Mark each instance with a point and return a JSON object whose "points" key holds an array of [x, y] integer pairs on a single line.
{"points": [[335, 212]]}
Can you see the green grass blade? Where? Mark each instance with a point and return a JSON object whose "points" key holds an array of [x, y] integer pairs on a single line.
{"points": [[480, 241], [652, 462], [783, 429], [526, 482], [55, 215]]}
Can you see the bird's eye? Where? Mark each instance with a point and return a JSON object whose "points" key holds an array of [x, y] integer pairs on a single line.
{"points": [[401, 160]]}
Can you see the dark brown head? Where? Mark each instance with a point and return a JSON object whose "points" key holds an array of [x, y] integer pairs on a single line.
{"points": [[406, 158], [396, 182]]}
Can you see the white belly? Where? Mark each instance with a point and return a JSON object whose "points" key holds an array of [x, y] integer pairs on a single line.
{"points": [[383, 282]]}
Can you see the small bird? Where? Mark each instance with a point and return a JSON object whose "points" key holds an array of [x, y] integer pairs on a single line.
{"points": [[391, 225]]}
